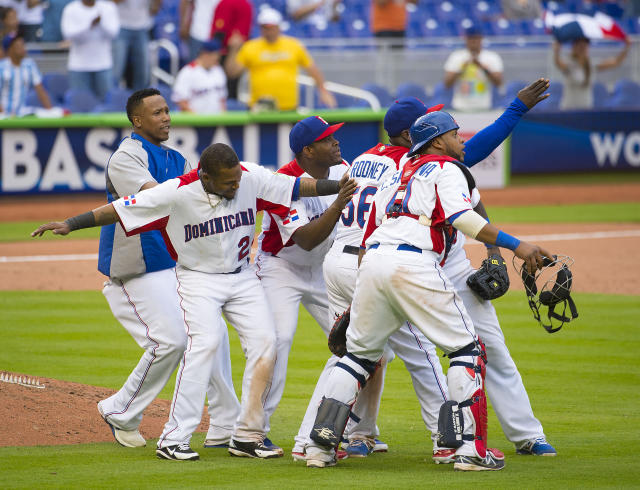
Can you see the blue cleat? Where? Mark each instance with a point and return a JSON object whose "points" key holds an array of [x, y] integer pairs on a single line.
{"points": [[537, 447], [380, 447], [359, 448]]}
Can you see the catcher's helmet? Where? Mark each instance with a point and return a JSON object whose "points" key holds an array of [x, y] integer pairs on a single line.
{"points": [[556, 280], [428, 127]]}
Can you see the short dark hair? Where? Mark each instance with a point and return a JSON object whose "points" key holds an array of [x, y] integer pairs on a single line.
{"points": [[217, 156], [136, 99]]}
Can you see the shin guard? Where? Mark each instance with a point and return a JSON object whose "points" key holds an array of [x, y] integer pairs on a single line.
{"points": [[330, 422]]}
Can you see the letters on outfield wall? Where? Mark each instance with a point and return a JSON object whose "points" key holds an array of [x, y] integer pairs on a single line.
{"points": [[576, 142], [63, 160]]}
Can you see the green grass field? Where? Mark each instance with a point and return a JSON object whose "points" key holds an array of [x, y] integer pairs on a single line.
{"points": [[582, 381]]}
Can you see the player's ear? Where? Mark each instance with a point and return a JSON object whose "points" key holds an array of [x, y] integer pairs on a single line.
{"points": [[137, 121]]}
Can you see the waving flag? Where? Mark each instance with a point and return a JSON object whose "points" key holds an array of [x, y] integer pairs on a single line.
{"points": [[568, 27]]}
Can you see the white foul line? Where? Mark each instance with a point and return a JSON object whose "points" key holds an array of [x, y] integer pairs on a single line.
{"points": [[529, 238]]}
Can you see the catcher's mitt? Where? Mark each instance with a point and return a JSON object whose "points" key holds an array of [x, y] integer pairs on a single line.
{"points": [[338, 334], [491, 280]]}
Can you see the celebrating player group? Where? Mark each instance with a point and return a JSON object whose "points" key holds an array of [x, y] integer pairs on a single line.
{"points": [[377, 243]]}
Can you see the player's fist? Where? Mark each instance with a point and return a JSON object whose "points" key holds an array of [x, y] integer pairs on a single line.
{"points": [[532, 255], [56, 227]]}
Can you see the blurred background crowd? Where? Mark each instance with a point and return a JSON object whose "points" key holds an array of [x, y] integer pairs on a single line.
{"points": [[210, 56]]}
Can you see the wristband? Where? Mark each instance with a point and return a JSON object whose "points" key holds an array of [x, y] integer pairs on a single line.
{"points": [[505, 240], [84, 220], [325, 187]]}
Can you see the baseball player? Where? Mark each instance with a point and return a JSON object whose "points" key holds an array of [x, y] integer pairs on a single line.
{"points": [[141, 286], [504, 383], [291, 248], [207, 219], [413, 223]]}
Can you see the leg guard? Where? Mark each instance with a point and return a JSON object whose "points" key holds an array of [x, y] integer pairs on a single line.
{"points": [[469, 402], [330, 422]]}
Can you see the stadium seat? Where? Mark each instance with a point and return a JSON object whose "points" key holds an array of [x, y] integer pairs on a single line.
{"points": [[600, 95], [56, 85], [626, 94], [236, 105], [410, 89], [552, 103], [80, 100], [511, 89], [379, 91], [441, 95]]}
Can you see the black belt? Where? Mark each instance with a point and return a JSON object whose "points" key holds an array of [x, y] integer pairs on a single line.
{"points": [[350, 249], [403, 246]]}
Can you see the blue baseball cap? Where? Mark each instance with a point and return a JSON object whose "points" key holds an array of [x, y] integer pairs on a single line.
{"points": [[7, 40], [403, 112], [211, 45], [310, 130], [473, 30]]}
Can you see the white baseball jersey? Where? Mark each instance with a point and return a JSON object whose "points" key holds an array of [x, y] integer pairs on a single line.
{"points": [[275, 238], [15, 83], [204, 90], [202, 231], [436, 190]]}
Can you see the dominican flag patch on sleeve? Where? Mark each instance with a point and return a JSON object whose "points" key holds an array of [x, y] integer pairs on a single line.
{"points": [[129, 200], [293, 216]]}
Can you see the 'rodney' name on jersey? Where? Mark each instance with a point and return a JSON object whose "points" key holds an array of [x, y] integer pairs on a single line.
{"points": [[219, 225], [367, 169]]}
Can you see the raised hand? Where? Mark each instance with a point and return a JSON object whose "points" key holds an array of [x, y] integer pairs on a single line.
{"points": [[534, 93]]}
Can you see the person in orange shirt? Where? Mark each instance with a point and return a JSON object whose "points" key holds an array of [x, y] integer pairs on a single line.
{"points": [[272, 62], [389, 17]]}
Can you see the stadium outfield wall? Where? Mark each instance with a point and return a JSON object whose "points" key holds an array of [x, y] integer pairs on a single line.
{"points": [[68, 155]]}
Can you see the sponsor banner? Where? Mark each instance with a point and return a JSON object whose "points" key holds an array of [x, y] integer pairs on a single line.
{"points": [[491, 172], [580, 141], [73, 159]]}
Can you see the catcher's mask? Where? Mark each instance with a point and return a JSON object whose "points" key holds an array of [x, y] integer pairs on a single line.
{"points": [[556, 279]]}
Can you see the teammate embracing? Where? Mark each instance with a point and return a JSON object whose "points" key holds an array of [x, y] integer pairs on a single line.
{"points": [[413, 222], [504, 383]]}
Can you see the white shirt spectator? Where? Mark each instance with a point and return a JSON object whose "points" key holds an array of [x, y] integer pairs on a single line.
{"points": [[201, 19], [204, 90], [90, 45], [472, 90], [135, 15], [15, 83], [26, 15]]}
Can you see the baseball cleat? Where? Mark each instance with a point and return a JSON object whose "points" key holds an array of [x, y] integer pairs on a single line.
{"points": [[267, 442], [298, 456], [179, 452], [359, 448], [444, 456], [211, 443], [473, 463], [537, 447], [252, 449], [126, 438], [318, 463], [380, 447]]}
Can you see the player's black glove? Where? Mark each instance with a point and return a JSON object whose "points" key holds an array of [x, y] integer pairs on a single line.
{"points": [[338, 335], [491, 280]]}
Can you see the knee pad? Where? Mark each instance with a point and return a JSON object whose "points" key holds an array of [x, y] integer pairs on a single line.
{"points": [[360, 369], [451, 423], [476, 358], [330, 422]]}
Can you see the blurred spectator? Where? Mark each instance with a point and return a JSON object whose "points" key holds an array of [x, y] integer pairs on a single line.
{"points": [[18, 75], [131, 47], [272, 61], [196, 17], [51, 18], [578, 72], [201, 86], [9, 21], [29, 14], [389, 18], [521, 9], [231, 17], [316, 12], [90, 25], [472, 71]]}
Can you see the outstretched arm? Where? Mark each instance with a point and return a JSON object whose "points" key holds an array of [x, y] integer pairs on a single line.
{"points": [[323, 187], [488, 139], [104, 215]]}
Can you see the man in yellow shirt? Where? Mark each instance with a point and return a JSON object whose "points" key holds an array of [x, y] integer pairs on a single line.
{"points": [[272, 62]]}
